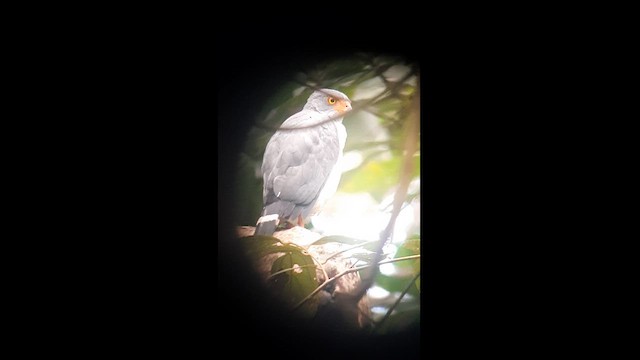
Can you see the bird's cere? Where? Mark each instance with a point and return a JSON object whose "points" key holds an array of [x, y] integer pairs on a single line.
{"points": [[343, 106]]}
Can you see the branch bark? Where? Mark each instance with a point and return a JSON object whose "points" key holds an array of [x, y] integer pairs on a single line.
{"points": [[411, 136]]}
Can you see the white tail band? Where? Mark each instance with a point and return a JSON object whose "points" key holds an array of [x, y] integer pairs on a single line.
{"points": [[266, 218]]}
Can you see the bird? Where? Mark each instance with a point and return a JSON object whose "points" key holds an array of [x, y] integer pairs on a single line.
{"points": [[299, 163]]}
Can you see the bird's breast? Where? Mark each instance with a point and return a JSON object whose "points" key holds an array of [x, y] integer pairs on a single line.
{"points": [[331, 185]]}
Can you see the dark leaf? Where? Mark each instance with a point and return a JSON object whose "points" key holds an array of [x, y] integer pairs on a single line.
{"points": [[257, 246], [297, 282], [400, 320]]}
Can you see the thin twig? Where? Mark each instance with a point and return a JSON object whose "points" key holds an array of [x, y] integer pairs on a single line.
{"points": [[388, 261], [348, 271], [406, 203], [404, 292], [388, 90], [410, 147], [289, 269], [348, 249], [324, 272]]}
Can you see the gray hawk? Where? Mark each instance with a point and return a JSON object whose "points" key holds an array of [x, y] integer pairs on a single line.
{"points": [[299, 165]]}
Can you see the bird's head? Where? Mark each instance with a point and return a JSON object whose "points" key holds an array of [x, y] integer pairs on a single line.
{"points": [[328, 101]]}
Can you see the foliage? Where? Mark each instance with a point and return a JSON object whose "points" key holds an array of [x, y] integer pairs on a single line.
{"points": [[384, 173], [293, 274], [294, 278], [382, 89]]}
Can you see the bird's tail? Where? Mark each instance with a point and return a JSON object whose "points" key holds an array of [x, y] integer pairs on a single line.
{"points": [[267, 224]]}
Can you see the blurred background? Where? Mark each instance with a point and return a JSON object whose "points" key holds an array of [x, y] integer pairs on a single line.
{"points": [[382, 148]]}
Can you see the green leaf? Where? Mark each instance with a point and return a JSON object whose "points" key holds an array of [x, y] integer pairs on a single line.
{"points": [[404, 270], [391, 283], [396, 283], [410, 247], [257, 246], [338, 239], [377, 176], [297, 282], [297, 271]]}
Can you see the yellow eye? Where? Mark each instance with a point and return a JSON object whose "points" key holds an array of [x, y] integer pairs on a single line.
{"points": [[331, 100]]}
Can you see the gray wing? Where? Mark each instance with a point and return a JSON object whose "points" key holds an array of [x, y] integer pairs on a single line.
{"points": [[298, 162]]}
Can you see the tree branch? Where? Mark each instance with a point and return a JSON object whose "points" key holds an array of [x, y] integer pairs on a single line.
{"points": [[412, 128], [404, 292], [356, 107], [348, 271], [348, 249]]}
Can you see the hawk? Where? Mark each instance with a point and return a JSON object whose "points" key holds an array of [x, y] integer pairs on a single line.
{"points": [[299, 164]]}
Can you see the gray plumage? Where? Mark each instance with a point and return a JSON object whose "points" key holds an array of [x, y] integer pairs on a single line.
{"points": [[299, 160]]}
